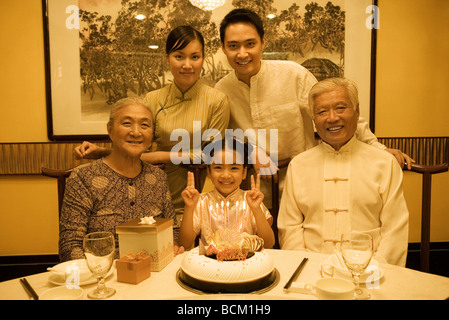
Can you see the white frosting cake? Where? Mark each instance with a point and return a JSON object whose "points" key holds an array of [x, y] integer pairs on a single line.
{"points": [[207, 269]]}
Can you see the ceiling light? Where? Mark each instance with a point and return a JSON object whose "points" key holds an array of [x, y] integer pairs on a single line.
{"points": [[207, 5]]}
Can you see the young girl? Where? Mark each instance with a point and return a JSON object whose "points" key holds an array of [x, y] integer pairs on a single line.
{"points": [[227, 206]]}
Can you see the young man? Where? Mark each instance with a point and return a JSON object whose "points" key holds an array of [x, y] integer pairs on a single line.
{"points": [[342, 184], [271, 94]]}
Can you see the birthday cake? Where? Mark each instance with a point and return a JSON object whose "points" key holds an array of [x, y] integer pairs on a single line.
{"points": [[226, 244], [228, 268]]}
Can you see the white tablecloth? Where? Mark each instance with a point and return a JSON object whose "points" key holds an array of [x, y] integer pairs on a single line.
{"points": [[396, 284]]}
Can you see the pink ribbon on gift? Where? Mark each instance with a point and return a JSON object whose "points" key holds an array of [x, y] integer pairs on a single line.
{"points": [[135, 257]]}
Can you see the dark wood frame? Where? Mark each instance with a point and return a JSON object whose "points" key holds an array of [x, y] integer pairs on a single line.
{"points": [[372, 109], [79, 137], [48, 94]]}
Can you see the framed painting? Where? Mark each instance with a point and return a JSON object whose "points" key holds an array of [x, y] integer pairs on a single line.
{"points": [[98, 51]]}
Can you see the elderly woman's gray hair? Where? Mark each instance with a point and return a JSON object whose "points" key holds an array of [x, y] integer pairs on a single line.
{"points": [[332, 84], [123, 103]]}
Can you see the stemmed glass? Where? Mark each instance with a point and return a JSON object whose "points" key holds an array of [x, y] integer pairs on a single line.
{"points": [[99, 250], [357, 250]]}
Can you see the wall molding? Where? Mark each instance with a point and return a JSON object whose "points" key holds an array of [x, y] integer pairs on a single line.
{"points": [[29, 158], [424, 150]]}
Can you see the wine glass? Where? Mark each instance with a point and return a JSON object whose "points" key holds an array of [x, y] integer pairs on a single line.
{"points": [[99, 250], [357, 250]]}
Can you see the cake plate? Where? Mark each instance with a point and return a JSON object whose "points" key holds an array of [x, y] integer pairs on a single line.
{"points": [[258, 286]]}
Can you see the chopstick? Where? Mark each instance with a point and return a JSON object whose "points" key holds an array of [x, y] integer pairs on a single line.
{"points": [[296, 273], [29, 289]]}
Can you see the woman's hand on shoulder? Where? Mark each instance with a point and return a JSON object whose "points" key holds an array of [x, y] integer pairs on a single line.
{"points": [[88, 150]]}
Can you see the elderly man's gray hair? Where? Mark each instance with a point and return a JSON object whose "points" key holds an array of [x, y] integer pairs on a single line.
{"points": [[331, 84]]}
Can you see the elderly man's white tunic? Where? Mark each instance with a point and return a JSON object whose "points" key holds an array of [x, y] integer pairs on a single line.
{"points": [[358, 188]]}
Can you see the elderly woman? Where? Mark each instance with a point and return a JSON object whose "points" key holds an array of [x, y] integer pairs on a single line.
{"points": [[109, 191]]}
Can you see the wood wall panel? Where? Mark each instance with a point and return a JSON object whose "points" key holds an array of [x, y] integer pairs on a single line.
{"points": [[424, 150], [29, 158]]}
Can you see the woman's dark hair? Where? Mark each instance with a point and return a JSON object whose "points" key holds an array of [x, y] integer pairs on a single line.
{"points": [[229, 143], [180, 37], [241, 15]]}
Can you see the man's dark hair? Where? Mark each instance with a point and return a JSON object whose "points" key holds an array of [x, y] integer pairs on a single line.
{"points": [[241, 15]]}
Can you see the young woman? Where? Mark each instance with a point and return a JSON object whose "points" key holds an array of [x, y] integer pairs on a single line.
{"points": [[186, 104]]}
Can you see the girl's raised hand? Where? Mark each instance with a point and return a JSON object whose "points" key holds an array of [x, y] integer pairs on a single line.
{"points": [[254, 196], [190, 195]]}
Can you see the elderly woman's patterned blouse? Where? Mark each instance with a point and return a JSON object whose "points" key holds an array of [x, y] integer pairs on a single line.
{"points": [[98, 199]]}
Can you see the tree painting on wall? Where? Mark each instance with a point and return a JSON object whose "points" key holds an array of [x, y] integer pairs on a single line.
{"points": [[309, 33], [122, 56]]}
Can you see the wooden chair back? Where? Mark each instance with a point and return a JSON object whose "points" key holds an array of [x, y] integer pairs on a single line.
{"points": [[431, 155], [275, 199], [275, 202], [61, 175], [197, 170]]}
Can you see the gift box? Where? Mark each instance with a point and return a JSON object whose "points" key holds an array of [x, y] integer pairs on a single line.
{"points": [[156, 239], [133, 268]]}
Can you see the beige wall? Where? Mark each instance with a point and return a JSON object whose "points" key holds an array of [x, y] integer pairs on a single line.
{"points": [[413, 68], [22, 83], [412, 99]]}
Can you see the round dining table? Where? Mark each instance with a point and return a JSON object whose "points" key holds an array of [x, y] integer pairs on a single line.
{"points": [[392, 283]]}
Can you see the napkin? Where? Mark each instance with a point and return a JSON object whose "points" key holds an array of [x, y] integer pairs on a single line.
{"points": [[372, 274]]}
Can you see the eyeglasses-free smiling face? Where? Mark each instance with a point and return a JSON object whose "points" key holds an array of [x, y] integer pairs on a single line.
{"points": [[186, 64], [335, 117], [226, 177], [243, 47], [131, 131]]}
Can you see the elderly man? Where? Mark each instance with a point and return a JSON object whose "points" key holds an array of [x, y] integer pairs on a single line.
{"points": [[343, 184]]}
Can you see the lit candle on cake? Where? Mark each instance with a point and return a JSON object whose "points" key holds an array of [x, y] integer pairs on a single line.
{"points": [[217, 216], [237, 214], [227, 214], [210, 218], [222, 215], [244, 212]]}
